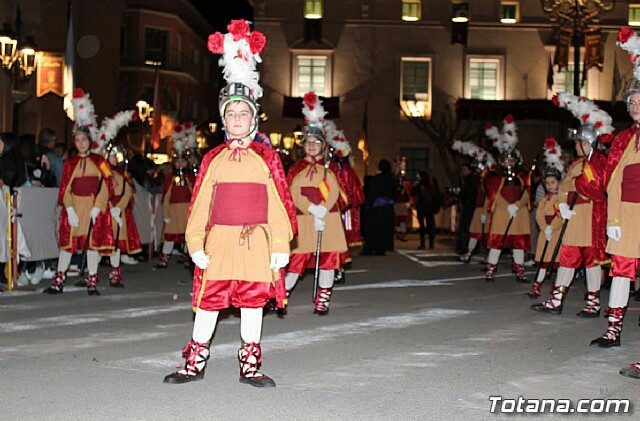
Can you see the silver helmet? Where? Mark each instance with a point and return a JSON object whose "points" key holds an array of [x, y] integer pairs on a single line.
{"points": [[313, 130], [586, 132], [237, 91], [631, 87]]}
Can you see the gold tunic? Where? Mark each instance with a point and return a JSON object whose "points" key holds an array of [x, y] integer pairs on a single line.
{"points": [[333, 238], [624, 214], [546, 207], [578, 232], [238, 252], [82, 205], [176, 213]]}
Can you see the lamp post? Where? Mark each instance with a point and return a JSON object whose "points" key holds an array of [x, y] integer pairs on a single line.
{"points": [[576, 15], [27, 58]]}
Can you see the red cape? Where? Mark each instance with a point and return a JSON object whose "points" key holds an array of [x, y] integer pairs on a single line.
{"points": [[303, 164], [272, 160], [618, 146], [70, 165]]}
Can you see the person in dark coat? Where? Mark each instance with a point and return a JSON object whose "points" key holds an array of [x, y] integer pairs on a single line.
{"points": [[379, 227], [426, 208], [10, 161]]}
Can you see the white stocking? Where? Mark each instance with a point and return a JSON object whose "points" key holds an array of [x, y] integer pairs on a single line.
{"points": [[325, 278], [251, 324], [115, 259], [290, 280], [518, 256], [619, 295], [93, 258], [64, 260], [167, 247], [204, 325], [541, 275], [473, 242], [494, 256], [564, 277], [594, 278]]}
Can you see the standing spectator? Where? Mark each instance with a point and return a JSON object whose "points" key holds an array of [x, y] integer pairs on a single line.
{"points": [[426, 207], [468, 189], [379, 228], [9, 172], [47, 146]]}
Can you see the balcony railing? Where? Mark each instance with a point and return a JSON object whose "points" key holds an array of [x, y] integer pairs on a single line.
{"points": [[169, 60]]}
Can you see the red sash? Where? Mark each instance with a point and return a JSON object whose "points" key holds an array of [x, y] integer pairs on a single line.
{"points": [[85, 186], [630, 183], [239, 204], [180, 194]]}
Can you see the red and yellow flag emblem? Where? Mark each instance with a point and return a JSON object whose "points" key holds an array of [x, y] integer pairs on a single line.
{"points": [[324, 189], [588, 172]]}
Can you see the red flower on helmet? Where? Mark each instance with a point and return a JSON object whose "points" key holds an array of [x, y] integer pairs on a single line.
{"points": [[550, 143], [239, 28], [509, 118], [310, 99], [216, 43], [177, 128], [488, 126], [257, 41], [188, 125], [78, 93], [584, 117], [555, 100], [598, 124], [624, 34]]}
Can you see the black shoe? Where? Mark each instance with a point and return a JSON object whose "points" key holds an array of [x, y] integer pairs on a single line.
{"points": [[263, 381], [588, 314], [541, 308], [630, 371], [339, 278], [116, 285], [177, 378], [321, 312], [605, 342], [93, 291], [52, 291]]}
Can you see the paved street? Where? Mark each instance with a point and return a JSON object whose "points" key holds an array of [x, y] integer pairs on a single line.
{"points": [[411, 336]]}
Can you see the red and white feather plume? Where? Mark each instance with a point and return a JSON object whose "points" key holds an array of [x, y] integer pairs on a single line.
{"points": [[336, 139], [112, 125], [553, 154], [475, 152], [587, 112], [629, 41], [313, 110], [240, 49], [504, 140], [84, 112]]}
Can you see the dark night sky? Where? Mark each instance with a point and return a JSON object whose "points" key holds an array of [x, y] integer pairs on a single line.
{"points": [[220, 12]]}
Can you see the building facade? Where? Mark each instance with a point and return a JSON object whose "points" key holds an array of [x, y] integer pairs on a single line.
{"points": [[395, 58]]}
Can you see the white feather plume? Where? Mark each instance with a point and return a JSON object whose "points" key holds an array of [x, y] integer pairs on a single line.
{"points": [[587, 112], [553, 154], [336, 138], [313, 110], [632, 46]]}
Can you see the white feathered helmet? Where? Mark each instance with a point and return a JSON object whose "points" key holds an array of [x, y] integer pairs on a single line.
{"points": [[314, 113], [595, 124], [505, 140], [481, 158], [240, 49], [629, 41], [554, 166]]}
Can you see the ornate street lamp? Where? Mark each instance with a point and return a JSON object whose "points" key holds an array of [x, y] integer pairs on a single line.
{"points": [[144, 110], [8, 45], [576, 15]]}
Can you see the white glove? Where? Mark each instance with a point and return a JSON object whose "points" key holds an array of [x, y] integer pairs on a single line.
{"points": [[548, 232], [72, 216], [318, 223], [115, 214], [615, 233], [512, 209], [279, 260], [94, 214], [483, 218], [565, 212], [200, 259], [167, 220], [318, 211]]}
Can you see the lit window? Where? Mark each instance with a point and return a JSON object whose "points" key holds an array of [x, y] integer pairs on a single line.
{"points": [[415, 86], [509, 12], [634, 15], [410, 10], [460, 12], [311, 72], [563, 81], [484, 78], [313, 9]]}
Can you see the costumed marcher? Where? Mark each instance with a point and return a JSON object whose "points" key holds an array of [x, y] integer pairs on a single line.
{"points": [[507, 202], [402, 199], [125, 232], [352, 188], [582, 202], [316, 190], [548, 214], [241, 217], [623, 170], [176, 196], [85, 188], [483, 161]]}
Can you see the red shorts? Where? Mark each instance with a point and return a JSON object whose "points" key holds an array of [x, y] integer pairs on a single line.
{"points": [[573, 257], [218, 295], [301, 262], [624, 266]]}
